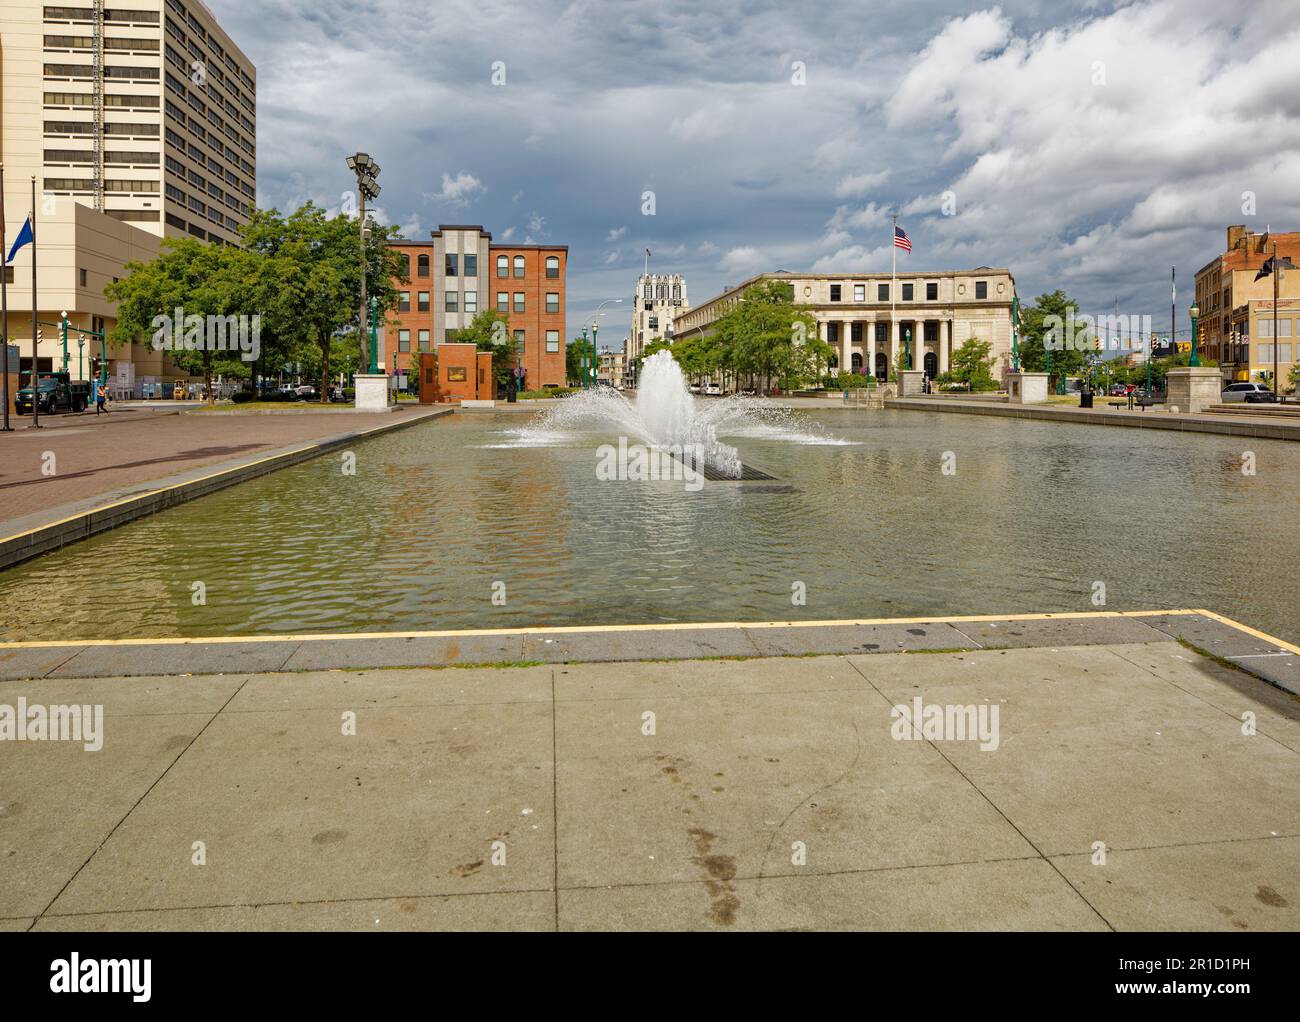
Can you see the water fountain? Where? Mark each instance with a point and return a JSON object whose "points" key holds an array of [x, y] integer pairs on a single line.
{"points": [[664, 415]]}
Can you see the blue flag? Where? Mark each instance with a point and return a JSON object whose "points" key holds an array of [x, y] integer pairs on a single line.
{"points": [[24, 238]]}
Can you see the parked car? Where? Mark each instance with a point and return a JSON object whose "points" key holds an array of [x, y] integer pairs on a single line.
{"points": [[712, 390], [305, 392], [1253, 392]]}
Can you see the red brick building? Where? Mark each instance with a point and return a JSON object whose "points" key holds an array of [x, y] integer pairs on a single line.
{"points": [[459, 273]]}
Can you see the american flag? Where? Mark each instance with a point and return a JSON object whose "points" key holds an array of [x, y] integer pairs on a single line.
{"points": [[901, 240]]}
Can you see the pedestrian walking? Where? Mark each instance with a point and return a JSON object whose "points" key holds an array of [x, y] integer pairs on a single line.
{"points": [[101, 395]]}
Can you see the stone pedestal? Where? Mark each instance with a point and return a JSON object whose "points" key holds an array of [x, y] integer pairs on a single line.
{"points": [[911, 383], [372, 392], [1192, 389], [1026, 388]]}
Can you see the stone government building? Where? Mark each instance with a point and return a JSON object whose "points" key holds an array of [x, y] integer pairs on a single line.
{"points": [[942, 310]]}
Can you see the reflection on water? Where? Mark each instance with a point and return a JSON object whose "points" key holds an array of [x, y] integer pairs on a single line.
{"points": [[1035, 514]]}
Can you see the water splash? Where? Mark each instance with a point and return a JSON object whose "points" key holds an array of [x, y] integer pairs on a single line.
{"points": [[665, 413]]}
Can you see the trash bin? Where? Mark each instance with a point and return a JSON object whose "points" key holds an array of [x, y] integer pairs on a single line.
{"points": [[1085, 399]]}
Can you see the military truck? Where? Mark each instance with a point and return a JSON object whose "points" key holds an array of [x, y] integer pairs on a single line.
{"points": [[56, 392]]}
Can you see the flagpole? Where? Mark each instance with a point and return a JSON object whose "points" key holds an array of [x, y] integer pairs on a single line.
{"points": [[1277, 272], [4, 303], [893, 283], [36, 390]]}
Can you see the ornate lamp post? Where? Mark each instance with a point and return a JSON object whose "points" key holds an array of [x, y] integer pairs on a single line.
{"points": [[1195, 359], [63, 330]]}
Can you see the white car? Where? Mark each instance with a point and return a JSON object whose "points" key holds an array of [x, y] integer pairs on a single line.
{"points": [[1253, 392], [712, 390]]}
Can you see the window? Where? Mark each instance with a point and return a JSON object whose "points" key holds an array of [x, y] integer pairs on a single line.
{"points": [[882, 292], [907, 292], [519, 341], [553, 267], [81, 276], [931, 330], [404, 261], [654, 323], [519, 301], [981, 289], [421, 265], [403, 340], [422, 301], [503, 301], [932, 291], [450, 263], [471, 301], [503, 266], [453, 301], [859, 292], [519, 266], [471, 265], [424, 340], [835, 292], [403, 301], [552, 340], [882, 333], [552, 301]]}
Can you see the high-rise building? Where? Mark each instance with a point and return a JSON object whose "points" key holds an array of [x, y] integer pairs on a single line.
{"points": [[134, 123], [459, 273], [657, 302]]}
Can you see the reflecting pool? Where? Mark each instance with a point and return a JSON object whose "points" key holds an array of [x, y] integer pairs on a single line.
{"points": [[876, 513]]}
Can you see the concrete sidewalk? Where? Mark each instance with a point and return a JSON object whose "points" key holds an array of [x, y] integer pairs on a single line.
{"points": [[762, 793]]}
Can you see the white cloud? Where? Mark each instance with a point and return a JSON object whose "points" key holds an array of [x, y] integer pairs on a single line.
{"points": [[616, 233], [856, 185], [459, 190]]}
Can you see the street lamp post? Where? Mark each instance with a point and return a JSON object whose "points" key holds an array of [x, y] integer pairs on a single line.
{"points": [[1195, 359], [374, 337], [366, 170], [607, 301], [63, 329]]}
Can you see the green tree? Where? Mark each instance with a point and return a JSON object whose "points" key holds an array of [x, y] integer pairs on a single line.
{"points": [[574, 353], [1049, 313], [490, 331], [972, 365], [764, 334], [312, 283], [200, 280]]}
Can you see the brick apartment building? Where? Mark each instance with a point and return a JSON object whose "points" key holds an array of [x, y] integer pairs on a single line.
{"points": [[1237, 311], [459, 273]]}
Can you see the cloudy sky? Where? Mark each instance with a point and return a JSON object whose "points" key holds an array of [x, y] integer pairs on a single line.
{"points": [[1085, 145]]}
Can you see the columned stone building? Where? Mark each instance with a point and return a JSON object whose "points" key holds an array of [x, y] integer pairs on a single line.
{"points": [[868, 318]]}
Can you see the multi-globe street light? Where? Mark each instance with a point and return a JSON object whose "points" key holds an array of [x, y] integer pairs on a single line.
{"points": [[366, 171]]}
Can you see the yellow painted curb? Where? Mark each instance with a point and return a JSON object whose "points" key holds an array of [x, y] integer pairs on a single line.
{"points": [[600, 629]]}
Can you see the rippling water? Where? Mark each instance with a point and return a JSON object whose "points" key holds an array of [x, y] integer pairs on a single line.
{"points": [[862, 515]]}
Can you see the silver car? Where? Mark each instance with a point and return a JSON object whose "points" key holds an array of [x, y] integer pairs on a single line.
{"points": [[1245, 392]]}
